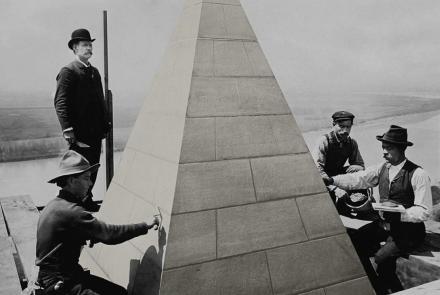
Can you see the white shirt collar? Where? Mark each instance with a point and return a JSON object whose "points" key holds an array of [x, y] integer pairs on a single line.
{"points": [[86, 65], [393, 170]]}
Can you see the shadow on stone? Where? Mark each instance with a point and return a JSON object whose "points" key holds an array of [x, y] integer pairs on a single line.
{"points": [[145, 275]]}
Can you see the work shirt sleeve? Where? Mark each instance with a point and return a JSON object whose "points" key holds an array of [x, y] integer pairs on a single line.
{"points": [[63, 97], [359, 180], [422, 208], [355, 158], [110, 234], [319, 154]]}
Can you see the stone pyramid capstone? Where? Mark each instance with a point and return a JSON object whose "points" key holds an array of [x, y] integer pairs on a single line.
{"points": [[217, 149]]}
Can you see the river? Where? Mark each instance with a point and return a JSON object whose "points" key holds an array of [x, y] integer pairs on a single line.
{"points": [[30, 177]]}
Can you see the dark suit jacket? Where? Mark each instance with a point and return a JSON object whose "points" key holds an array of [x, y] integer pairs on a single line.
{"points": [[79, 102]]}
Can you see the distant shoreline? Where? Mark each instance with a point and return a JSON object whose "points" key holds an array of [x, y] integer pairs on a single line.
{"points": [[32, 149]]}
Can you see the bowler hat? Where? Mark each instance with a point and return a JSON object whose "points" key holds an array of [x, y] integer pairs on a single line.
{"points": [[73, 163], [395, 135], [79, 35], [342, 116]]}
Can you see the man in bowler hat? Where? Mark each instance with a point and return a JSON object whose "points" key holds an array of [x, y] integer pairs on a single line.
{"points": [[335, 148], [79, 104], [64, 227], [400, 182]]}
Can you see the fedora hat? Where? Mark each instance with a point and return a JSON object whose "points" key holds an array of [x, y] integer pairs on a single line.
{"points": [[79, 35], [395, 135], [73, 163]]}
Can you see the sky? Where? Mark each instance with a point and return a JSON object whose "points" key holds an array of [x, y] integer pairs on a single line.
{"points": [[312, 45]]}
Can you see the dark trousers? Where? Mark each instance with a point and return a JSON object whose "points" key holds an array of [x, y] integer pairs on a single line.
{"points": [[93, 285], [92, 154], [401, 238]]}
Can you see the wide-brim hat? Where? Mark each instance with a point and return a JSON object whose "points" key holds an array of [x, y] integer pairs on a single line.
{"points": [[395, 135], [73, 163], [79, 35]]}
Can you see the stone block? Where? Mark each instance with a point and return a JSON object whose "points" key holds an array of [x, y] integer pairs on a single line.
{"points": [[224, 21], [143, 212], [260, 226], [257, 59], [210, 185], [124, 165], [359, 286], [235, 96], [242, 275], [198, 143], [152, 180], [256, 136], [159, 135], [230, 59], [189, 21], [312, 265], [204, 58], [118, 201], [285, 176], [319, 216], [119, 270], [237, 24], [193, 239], [315, 292]]}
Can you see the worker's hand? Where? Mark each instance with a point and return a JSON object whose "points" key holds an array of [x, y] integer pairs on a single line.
{"points": [[327, 180], [354, 168], [340, 194], [69, 136], [154, 223]]}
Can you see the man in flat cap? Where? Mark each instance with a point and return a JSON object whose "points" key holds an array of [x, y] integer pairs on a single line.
{"points": [[335, 148], [79, 103], [65, 226], [400, 182]]}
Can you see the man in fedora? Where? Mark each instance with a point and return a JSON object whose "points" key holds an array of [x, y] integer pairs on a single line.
{"points": [[400, 182], [335, 148], [65, 225], [79, 103]]}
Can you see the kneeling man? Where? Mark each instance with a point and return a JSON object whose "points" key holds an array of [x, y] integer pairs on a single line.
{"points": [[65, 226]]}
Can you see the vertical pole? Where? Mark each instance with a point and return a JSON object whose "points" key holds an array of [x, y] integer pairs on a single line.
{"points": [[109, 101]]}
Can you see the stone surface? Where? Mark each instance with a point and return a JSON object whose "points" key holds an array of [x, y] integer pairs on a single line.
{"points": [[313, 264], [198, 144], [250, 228], [257, 136], [193, 239], [10, 282], [285, 176], [217, 151], [359, 286], [202, 186], [240, 275], [319, 216], [235, 96]]}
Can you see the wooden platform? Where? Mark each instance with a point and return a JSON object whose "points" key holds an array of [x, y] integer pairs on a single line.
{"points": [[18, 228], [423, 265]]}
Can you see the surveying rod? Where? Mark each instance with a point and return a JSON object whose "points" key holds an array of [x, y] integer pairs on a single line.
{"points": [[108, 97]]}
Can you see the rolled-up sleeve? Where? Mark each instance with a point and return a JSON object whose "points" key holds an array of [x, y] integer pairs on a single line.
{"points": [[359, 180], [421, 185]]}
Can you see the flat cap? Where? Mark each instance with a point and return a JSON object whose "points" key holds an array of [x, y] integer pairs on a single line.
{"points": [[342, 115]]}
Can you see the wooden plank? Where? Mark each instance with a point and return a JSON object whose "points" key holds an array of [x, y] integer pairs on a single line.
{"points": [[9, 280], [21, 217]]}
